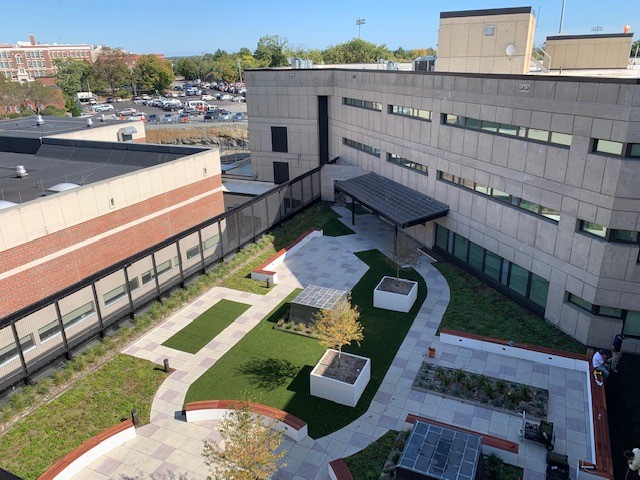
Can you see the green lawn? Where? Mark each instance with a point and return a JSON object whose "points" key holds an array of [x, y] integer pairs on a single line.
{"points": [[478, 308], [95, 403], [272, 367], [335, 228], [367, 464], [204, 328]]}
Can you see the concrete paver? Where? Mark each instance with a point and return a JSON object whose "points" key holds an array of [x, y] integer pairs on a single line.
{"points": [[171, 447]]}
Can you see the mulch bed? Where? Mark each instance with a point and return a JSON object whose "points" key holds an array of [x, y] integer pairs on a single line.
{"points": [[345, 369], [396, 285]]}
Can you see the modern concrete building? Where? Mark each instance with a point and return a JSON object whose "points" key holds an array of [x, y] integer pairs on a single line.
{"points": [[541, 173], [607, 50], [76, 201]]}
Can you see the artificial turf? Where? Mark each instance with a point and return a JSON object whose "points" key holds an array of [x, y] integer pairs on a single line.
{"points": [[335, 228], [272, 367], [204, 328]]}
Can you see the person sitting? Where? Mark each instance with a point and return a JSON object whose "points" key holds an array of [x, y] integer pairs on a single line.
{"points": [[633, 459], [599, 363]]}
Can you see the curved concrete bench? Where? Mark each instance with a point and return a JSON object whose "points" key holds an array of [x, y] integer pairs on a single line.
{"points": [[264, 271], [338, 470], [292, 426], [92, 449]]}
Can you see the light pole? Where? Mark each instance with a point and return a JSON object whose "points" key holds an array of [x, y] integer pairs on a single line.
{"points": [[561, 17], [359, 23]]}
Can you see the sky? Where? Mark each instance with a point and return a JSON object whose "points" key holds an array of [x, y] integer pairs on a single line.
{"points": [[178, 28]]}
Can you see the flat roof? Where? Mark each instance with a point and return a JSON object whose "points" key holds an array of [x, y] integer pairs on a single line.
{"points": [[485, 12], [25, 127], [77, 161], [589, 35], [401, 205], [246, 187]]}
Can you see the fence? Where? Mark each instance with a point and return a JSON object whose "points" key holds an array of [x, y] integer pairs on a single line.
{"points": [[36, 336]]}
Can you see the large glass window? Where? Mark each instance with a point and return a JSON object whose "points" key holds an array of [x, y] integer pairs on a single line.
{"points": [[608, 147], [632, 324], [538, 290], [442, 237], [362, 147], [356, 102], [476, 256], [162, 268], [120, 292], [593, 228], [10, 352], [49, 330], [518, 279], [406, 163], [634, 150], [460, 246], [580, 302], [410, 112], [79, 314], [210, 242], [492, 265]]}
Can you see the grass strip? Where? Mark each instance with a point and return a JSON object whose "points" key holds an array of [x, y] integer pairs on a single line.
{"points": [[97, 402], [207, 326], [335, 228], [272, 367], [368, 464], [478, 308]]}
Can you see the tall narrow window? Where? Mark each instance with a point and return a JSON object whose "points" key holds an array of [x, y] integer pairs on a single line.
{"points": [[279, 142]]}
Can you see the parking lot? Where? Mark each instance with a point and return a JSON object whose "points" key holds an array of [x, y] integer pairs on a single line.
{"points": [[163, 115]]}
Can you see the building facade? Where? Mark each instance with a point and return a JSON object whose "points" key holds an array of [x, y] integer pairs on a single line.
{"points": [[541, 173], [26, 61]]}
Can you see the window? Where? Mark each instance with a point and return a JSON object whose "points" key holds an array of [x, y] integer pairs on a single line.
{"points": [[540, 135], [210, 243], [538, 290], [407, 163], [489, 30], [476, 256], [162, 268], [518, 279], [442, 237], [49, 330], [460, 247], [634, 150], [410, 112], [593, 229], [609, 312], [79, 314], [449, 119], [561, 138], [120, 292], [609, 234], [632, 324], [193, 252], [580, 302], [608, 147], [10, 352], [279, 141], [492, 265], [355, 102], [362, 147]]}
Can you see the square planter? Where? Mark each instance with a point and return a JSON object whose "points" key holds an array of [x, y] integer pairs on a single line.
{"points": [[397, 294], [339, 391]]}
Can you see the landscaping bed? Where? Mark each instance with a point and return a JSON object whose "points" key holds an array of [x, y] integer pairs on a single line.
{"points": [[99, 401], [478, 308], [509, 397], [272, 367], [378, 460], [346, 369]]}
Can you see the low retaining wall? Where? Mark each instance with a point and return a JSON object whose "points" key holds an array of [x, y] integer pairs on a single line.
{"points": [[79, 458], [338, 470], [265, 271], [292, 426]]}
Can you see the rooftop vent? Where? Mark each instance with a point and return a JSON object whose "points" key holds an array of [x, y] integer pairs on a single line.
{"points": [[21, 171], [6, 204], [62, 187], [89, 123], [39, 121]]}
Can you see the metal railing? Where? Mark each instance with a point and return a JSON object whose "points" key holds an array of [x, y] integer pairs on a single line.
{"points": [[51, 329]]}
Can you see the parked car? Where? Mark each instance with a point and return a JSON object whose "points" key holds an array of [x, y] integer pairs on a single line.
{"points": [[128, 111], [239, 117], [225, 117], [146, 97], [211, 116], [183, 118], [153, 118], [168, 118], [226, 98], [208, 98], [191, 111], [103, 107]]}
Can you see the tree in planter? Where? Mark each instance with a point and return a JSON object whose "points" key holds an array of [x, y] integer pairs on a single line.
{"points": [[404, 253], [338, 326], [249, 450]]}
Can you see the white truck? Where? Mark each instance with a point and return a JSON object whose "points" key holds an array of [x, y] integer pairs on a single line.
{"points": [[86, 97]]}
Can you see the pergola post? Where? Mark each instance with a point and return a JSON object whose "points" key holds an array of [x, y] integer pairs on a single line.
{"points": [[353, 211]]}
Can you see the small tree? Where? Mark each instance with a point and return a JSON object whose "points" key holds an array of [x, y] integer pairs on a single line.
{"points": [[338, 326], [248, 451], [404, 253]]}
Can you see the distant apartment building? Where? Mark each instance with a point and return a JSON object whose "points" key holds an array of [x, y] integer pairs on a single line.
{"points": [[26, 61], [539, 171]]}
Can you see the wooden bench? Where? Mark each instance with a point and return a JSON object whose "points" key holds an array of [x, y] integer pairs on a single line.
{"points": [[262, 273], [92, 449], [488, 440], [291, 425], [338, 470]]}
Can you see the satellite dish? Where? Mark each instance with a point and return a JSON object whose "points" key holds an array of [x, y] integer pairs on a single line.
{"points": [[511, 49]]}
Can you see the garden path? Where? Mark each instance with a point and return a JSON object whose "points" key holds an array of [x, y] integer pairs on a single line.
{"points": [[170, 448]]}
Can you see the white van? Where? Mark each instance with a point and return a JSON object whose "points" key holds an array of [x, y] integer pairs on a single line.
{"points": [[198, 105]]}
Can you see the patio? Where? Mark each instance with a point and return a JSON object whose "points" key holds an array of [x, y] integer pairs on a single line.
{"points": [[170, 446]]}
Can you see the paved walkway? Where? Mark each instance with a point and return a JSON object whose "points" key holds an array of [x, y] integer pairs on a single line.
{"points": [[170, 448]]}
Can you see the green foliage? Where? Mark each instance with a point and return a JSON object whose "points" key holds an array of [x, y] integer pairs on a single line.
{"points": [[112, 69], [231, 376], [367, 464], [72, 107], [492, 467], [100, 400], [635, 49], [53, 111], [208, 325], [477, 308], [75, 76], [187, 67], [153, 74], [271, 50], [356, 51]]}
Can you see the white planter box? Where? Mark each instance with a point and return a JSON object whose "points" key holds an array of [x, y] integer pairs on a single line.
{"points": [[336, 390], [395, 301]]}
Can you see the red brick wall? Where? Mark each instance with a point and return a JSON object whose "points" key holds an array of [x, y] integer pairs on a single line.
{"points": [[54, 275]]}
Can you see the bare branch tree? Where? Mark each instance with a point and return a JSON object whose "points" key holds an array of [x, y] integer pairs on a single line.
{"points": [[404, 253]]}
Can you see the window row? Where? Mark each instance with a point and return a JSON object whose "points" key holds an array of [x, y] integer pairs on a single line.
{"points": [[610, 234], [410, 112], [10, 352], [68, 320], [38, 54], [404, 162], [362, 147], [356, 102], [525, 133], [616, 149], [517, 280], [631, 318], [5, 64], [503, 197]]}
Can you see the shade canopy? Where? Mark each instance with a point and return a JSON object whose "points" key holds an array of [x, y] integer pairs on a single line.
{"points": [[394, 202]]}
